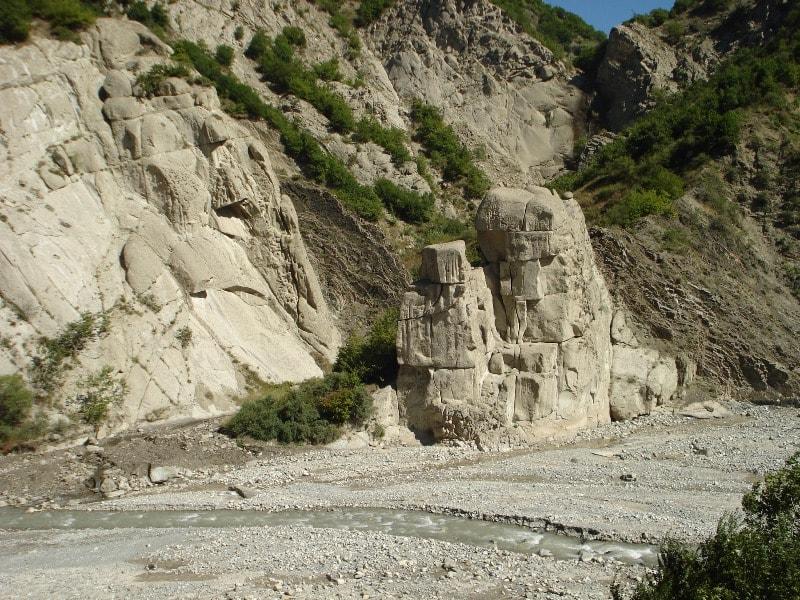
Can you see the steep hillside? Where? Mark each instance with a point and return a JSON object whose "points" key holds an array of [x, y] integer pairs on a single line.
{"points": [[216, 196], [150, 263], [698, 201]]}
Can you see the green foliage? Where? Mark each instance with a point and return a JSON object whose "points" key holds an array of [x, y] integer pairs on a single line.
{"points": [[148, 82], [754, 556], [654, 18], [685, 131], [311, 412], [315, 162], [294, 36], [54, 351], [409, 206], [154, 18], [101, 391], [328, 70], [342, 22], [16, 424], [65, 18], [224, 55], [637, 204], [446, 152], [369, 11], [15, 21], [391, 139], [372, 358], [674, 30], [238, 33], [558, 29]]}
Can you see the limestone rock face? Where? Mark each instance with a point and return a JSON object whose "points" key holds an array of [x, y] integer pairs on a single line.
{"points": [[498, 86], [526, 344], [522, 342], [161, 213]]}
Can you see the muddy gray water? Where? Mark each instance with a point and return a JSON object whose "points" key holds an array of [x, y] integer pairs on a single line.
{"points": [[394, 522]]}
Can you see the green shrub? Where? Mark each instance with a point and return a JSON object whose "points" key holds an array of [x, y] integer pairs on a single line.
{"points": [[238, 33], [148, 82], [258, 45], [409, 206], [15, 21], [446, 152], [154, 18], [556, 28], [16, 401], [675, 30], [16, 424], [295, 36], [311, 412], [391, 139], [369, 11], [637, 204], [315, 162], [54, 351], [224, 55], [372, 359], [754, 556], [328, 70], [101, 391], [654, 18]]}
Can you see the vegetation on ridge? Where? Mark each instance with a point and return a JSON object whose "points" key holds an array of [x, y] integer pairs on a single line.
{"points": [[563, 32], [64, 17], [685, 131]]}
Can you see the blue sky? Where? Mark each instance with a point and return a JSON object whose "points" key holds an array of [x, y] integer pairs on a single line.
{"points": [[604, 14]]}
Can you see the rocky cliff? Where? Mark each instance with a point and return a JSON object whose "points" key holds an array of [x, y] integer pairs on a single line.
{"points": [[521, 347], [160, 216]]}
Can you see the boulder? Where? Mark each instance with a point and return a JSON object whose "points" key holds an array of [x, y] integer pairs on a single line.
{"points": [[161, 474], [117, 84]]}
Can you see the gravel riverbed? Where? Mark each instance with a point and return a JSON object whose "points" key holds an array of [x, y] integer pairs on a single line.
{"points": [[666, 474]]}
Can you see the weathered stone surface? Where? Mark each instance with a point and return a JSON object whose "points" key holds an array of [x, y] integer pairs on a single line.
{"points": [[117, 84], [524, 346], [116, 204], [445, 263], [162, 474], [641, 379]]}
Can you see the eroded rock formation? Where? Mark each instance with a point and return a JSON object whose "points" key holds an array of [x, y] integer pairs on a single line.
{"points": [[521, 346], [160, 212]]}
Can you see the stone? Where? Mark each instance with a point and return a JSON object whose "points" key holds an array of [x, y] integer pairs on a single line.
{"points": [[120, 109], [161, 474], [117, 84], [628, 477], [385, 410], [173, 86], [641, 379], [244, 492], [107, 485], [445, 263], [484, 354]]}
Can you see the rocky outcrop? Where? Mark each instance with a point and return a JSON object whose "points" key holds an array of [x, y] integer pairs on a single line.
{"points": [[521, 346], [641, 61], [499, 87], [638, 62], [161, 213]]}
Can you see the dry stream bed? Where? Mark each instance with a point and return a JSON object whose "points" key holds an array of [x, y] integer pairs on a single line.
{"points": [[560, 520]]}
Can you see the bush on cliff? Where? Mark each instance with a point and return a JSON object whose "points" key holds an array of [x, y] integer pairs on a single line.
{"points": [[16, 424], [311, 412], [372, 358], [756, 555]]}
